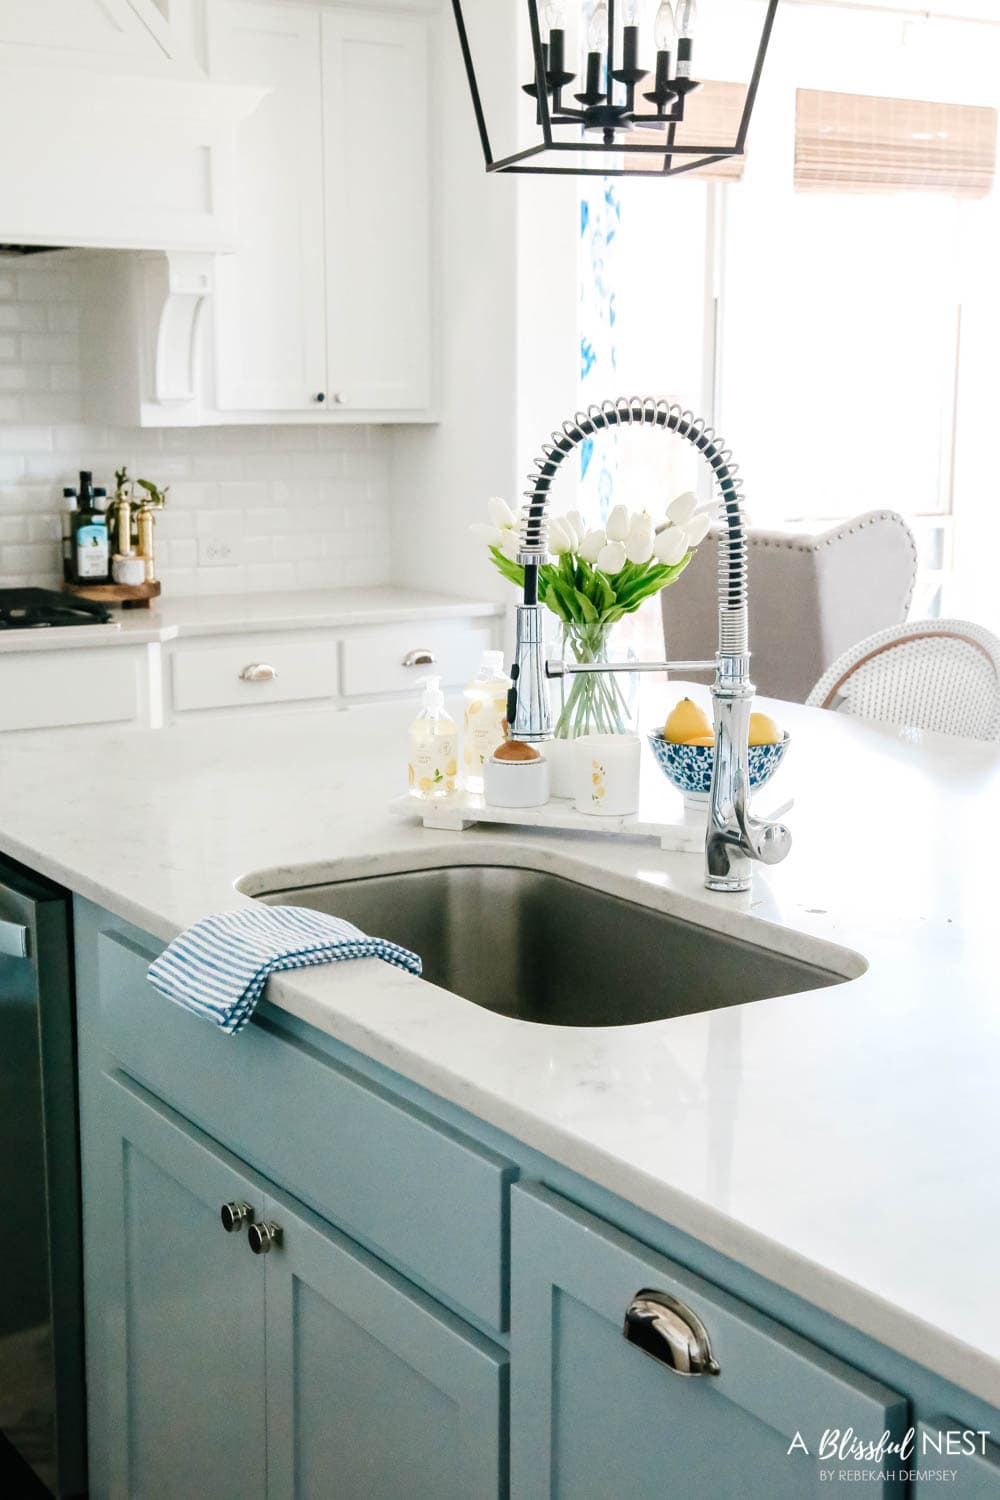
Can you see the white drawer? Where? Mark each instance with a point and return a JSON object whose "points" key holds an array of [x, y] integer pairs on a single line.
{"points": [[375, 661], [55, 689], [253, 671]]}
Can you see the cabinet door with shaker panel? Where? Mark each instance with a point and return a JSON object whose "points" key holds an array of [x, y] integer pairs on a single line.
{"points": [[239, 1347], [633, 1377], [378, 201], [369, 1380], [175, 1309], [271, 349], [325, 310]]}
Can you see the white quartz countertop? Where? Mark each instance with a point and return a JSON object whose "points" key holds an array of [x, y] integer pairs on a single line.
{"points": [[235, 614], [841, 1142]]}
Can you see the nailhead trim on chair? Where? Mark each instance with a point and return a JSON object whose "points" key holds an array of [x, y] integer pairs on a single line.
{"points": [[813, 544]]}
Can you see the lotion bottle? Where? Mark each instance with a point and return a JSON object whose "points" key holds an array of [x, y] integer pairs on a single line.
{"points": [[433, 747], [486, 724]]}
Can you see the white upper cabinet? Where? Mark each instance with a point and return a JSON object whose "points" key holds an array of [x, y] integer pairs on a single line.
{"points": [[377, 151], [325, 309], [270, 296], [325, 312]]}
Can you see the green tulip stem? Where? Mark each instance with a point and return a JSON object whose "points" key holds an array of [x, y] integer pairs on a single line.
{"points": [[594, 702]]}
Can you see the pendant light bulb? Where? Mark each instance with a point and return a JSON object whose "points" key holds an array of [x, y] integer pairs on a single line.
{"points": [[554, 15], [687, 17], [630, 12], [597, 31], [664, 32]]}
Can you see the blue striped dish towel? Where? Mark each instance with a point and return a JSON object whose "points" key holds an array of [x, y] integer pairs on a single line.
{"points": [[218, 968]]}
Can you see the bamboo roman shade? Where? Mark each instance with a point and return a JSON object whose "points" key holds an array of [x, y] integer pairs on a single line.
{"points": [[857, 143], [711, 118]]}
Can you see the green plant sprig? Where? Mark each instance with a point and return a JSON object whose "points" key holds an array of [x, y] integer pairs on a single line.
{"points": [[580, 594]]}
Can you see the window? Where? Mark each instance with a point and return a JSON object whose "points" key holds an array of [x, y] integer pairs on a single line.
{"points": [[835, 313]]}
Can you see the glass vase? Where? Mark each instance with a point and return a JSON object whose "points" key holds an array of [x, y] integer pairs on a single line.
{"points": [[594, 702]]}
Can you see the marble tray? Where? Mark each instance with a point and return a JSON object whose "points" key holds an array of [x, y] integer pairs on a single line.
{"points": [[677, 823]]}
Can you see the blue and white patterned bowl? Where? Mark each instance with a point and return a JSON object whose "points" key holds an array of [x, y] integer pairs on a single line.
{"points": [[689, 767]]}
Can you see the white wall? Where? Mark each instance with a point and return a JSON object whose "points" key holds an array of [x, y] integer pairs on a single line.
{"points": [[509, 348], [305, 507]]}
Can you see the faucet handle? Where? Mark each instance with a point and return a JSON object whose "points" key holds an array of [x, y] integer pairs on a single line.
{"points": [[770, 841]]}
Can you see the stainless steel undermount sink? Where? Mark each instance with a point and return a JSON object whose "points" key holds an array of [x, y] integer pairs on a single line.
{"points": [[540, 947]]}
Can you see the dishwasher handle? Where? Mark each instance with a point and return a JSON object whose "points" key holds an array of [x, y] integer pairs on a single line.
{"points": [[13, 940]]}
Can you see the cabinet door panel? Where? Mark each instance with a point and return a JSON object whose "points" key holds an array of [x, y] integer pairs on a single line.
{"points": [[175, 1313], [377, 163], [270, 340], [373, 1393], [592, 1415]]}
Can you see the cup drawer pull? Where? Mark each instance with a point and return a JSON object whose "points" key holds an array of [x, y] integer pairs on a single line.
{"points": [[668, 1331], [258, 671], [13, 939], [421, 657]]}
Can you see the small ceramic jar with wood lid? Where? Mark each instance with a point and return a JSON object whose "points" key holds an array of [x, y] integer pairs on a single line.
{"points": [[516, 775]]}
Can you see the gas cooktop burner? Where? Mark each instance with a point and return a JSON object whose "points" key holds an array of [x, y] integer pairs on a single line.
{"points": [[41, 609]]}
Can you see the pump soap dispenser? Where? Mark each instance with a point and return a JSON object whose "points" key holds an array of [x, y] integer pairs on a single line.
{"points": [[486, 724], [433, 747]]}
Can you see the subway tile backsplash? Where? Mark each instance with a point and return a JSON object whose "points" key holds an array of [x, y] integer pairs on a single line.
{"points": [[300, 507]]}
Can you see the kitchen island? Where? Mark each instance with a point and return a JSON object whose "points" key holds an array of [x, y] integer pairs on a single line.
{"points": [[827, 1157]]}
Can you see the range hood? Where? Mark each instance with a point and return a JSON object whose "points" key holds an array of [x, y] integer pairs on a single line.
{"points": [[117, 162]]}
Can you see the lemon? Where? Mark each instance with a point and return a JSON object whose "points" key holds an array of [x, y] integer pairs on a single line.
{"points": [[685, 723], [763, 730]]}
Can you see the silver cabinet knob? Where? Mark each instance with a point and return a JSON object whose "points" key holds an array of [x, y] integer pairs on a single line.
{"points": [[339, 398], [263, 1236], [421, 657], [670, 1332], [258, 671], [235, 1215]]}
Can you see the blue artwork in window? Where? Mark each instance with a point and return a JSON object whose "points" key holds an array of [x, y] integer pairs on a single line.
{"points": [[600, 222]]}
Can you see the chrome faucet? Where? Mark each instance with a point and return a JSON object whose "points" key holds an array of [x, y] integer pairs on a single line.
{"points": [[734, 839]]}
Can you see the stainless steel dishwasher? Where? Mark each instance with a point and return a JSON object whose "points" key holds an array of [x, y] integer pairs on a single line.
{"points": [[42, 1408]]}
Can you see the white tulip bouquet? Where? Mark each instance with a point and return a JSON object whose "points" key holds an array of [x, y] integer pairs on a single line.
{"points": [[599, 576]]}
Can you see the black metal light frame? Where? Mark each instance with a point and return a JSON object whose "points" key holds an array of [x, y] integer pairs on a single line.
{"points": [[602, 113]]}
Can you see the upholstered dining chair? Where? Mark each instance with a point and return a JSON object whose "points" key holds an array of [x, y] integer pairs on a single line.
{"points": [[929, 674], [811, 597]]}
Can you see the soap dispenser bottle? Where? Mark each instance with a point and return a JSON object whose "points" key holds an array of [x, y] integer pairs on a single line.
{"points": [[486, 724], [433, 747]]}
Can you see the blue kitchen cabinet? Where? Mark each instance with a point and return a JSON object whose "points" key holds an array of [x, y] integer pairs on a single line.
{"points": [[304, 1370], [361, 1357], [175, 1312], [596, 1417]]}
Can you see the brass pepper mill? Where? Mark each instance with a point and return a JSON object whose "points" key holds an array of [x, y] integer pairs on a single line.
{"points": [[122, 525], [146, 521], [154, 500]]}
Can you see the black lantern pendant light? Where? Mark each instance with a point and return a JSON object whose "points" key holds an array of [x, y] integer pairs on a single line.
{"points": [[618, 114]]}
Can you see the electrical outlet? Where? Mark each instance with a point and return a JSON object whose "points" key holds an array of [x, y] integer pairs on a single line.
{"points": [[218, 551]]}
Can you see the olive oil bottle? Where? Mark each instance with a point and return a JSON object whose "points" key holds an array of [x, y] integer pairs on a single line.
{"points": [[91, 553]]}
